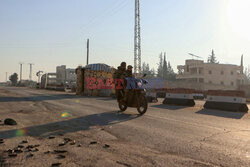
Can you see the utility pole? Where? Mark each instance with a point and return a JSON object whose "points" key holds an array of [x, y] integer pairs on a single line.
{"points": [[6, 77], [137, 39], [87, 51], [30, 76], [38, 74], [21, 71]]}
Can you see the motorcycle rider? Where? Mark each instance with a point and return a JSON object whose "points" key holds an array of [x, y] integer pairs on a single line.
{"points": [[120, 73], [129, 71]]}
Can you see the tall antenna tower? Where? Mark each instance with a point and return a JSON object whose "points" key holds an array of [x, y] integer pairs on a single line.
{"points": [[137, 42], [30, 76]]}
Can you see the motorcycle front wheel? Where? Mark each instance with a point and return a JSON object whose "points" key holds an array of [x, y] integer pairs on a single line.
{"points": [[122, 106], [143, 105]]}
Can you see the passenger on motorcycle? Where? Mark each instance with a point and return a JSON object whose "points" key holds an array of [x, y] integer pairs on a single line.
{"points": [[120, 73]]}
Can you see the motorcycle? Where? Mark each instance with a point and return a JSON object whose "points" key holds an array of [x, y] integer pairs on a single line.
{"points": [[135, 96]]}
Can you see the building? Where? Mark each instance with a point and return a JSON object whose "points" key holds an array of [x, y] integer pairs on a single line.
{"points": [[211, 74], [65, 75]]}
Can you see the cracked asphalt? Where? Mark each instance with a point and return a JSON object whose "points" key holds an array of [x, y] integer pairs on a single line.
{"points": [[164, 136]]}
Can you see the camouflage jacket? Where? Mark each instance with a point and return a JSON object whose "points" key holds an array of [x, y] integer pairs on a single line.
{"points": [[119, 73], [129, 74]]}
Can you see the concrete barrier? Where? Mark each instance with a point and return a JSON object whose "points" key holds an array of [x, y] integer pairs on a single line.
{"points": [[226, 100], [179, 96], [198, 95], [151, 96], [161, 92]]}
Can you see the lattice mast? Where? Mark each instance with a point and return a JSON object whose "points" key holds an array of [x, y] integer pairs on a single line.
{"points": [[137, 40]]}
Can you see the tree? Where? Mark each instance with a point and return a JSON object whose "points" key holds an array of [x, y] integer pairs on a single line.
{"points": [[160, 67], [165, 68], [247, 75], [152, 73], [13, 78], [171, 74], [212, 58], [146, 70]]}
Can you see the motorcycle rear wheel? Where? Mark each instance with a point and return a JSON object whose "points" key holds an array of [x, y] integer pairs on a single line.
{"points": [[143, 105]]}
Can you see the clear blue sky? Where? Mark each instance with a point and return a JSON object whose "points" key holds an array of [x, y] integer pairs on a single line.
{"points": [[54, 32]]}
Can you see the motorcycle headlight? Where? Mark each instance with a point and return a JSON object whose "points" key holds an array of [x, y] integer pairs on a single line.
{"points": [[139, 84]]}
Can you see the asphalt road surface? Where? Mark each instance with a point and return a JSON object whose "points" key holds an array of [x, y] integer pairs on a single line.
{"points": [[164, 136]]}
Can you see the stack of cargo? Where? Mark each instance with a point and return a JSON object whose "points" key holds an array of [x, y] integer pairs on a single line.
{"points": [[80, 80], [98, 74], [227, 100], [179, 96]]}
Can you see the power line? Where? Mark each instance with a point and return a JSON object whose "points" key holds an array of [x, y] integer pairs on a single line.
{"points": [[106, 11], [111, 12]]}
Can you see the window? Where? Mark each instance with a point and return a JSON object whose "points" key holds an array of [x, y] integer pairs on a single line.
{"points": [[210, 82], [222, 83], [210, 72], [232, 83], [222, 72], [199, 71], [232, 73], [201, 80]]}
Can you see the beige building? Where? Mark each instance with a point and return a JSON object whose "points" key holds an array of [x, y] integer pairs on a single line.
{"points": [[222, 75], [64, 74]]}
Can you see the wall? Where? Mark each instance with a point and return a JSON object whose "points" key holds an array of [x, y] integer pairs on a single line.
{"points": [[246, 89]]}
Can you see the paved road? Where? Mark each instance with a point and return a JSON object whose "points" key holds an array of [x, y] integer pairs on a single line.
{"points": [[186, 135]]}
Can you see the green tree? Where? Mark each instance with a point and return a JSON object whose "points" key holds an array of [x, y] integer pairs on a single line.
{"points": [[160, 67], [13, 78], [165, 68], [146, 70], [247, 75], [171, 73], [212, 58]]}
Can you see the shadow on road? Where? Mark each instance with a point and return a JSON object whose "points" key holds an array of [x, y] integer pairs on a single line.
{"points": [[106, 99], [72, 125], [225, 114], [169, 107], [39, 98]]}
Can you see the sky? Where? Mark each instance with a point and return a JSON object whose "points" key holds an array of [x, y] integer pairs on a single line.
{"points": [[49, 33]]}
